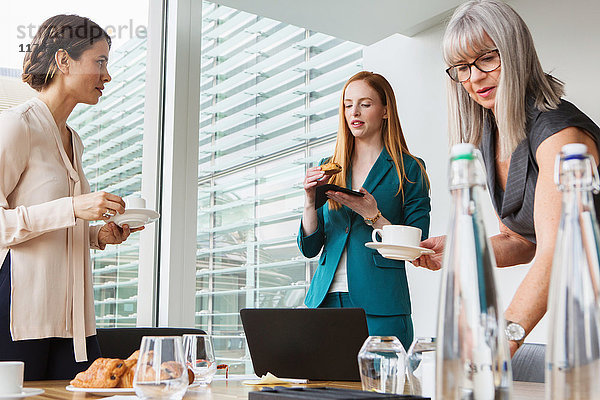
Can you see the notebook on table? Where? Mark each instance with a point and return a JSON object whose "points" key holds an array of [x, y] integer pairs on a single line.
{"points": [[312, 343], [301, 393]]}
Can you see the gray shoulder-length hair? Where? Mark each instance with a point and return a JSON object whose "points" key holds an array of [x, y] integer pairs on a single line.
{"points": [[468, 34]]}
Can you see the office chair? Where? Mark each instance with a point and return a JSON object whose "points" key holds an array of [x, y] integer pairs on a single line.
{"points": [[528, 363], [121, 342]]}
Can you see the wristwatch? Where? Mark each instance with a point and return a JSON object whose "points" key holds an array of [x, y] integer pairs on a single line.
{"points": [[371, 221], [515, 332]]}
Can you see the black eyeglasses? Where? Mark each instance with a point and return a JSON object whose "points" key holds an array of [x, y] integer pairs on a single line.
{"points": [[487, 62]]}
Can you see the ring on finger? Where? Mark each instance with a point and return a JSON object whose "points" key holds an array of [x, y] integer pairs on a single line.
{"points": [[108, 213]]}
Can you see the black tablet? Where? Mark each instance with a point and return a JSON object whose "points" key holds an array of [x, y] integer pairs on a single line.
{"points": [[321, 197]]}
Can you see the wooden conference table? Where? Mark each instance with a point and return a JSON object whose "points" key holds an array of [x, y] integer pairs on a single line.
{"points": [[234, 389]]}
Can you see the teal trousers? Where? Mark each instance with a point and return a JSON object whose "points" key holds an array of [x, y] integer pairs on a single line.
{"points": [[379, 325]]}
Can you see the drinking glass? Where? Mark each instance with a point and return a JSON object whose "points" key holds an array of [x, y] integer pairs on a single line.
{"points": [[161, 371], [200, 357], [382, 362], [421, 366]]}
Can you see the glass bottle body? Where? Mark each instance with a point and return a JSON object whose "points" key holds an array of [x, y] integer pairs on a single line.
{"points": [[473, 360], [573, 351]]}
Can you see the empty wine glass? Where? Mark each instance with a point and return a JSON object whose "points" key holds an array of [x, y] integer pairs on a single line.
{"points": [[161, 371], [200, 357]]}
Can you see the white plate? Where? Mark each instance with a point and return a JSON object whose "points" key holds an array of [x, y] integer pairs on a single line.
{"points": [[399, 252], [25, 393], [101, 391], [135, 217]]}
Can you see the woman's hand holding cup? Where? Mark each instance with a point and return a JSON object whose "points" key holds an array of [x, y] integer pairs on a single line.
{"points": [[97, 206]]}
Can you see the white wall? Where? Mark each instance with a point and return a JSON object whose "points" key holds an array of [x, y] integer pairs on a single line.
{"points": [[567, 36], [339, 17]]}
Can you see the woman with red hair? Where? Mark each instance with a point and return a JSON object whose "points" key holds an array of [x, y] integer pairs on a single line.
{"points": [[375, 160]]}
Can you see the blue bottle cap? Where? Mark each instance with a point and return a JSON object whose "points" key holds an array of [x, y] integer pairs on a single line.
{"points": [[574, 149]]}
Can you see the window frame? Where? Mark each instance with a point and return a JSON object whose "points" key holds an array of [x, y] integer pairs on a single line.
{"points": [[170, 172]]}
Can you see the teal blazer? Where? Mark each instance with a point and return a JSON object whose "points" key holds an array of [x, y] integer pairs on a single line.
{"points": [[376, 284]]}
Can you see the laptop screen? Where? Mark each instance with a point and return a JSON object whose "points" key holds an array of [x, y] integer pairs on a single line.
{"points": [[310, 343]]}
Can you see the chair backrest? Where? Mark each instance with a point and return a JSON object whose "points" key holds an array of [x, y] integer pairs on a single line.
{"points": [[121, 342], [528, 363]]}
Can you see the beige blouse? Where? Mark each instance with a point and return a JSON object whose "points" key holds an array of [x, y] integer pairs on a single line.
{"points": [[51, 276]]}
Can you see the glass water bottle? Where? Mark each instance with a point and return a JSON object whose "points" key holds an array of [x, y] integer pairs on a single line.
{"points": [[573, 351], [473, 360]]}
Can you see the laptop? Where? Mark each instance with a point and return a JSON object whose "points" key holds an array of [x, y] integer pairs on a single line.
{"points": [[312, 343]]}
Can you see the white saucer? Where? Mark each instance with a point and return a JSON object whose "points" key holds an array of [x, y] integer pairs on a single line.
{"points": [[25, 393], [399, 252], [135, 217], [101, 391]]}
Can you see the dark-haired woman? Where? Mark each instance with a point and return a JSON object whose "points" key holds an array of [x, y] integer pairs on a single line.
{"points": [[46, 297]]}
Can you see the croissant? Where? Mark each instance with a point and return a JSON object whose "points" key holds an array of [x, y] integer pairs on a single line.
{"points": [[103, 373]]}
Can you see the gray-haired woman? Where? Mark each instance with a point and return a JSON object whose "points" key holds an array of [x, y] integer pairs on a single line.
{"points": [[501, 100]]}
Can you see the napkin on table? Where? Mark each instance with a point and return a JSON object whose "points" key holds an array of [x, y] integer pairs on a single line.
{"points": [[270, 379]]}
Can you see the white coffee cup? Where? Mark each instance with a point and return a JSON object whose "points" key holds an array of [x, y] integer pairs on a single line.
{"points": [[401, 235], [134, 202], [11, 377]]}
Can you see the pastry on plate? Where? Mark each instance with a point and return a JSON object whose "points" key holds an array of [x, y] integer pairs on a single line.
{"points": [[103, 373], [117, 373]]}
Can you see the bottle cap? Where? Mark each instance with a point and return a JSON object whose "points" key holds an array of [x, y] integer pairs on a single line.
{"points": [[462, 150], [574, 149]]}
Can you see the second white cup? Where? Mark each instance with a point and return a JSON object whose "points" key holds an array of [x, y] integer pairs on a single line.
{"points": [[11, 377], [401, 235]]}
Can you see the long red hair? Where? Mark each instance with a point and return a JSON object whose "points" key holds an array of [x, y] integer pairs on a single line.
{"points": [[391, 131]]}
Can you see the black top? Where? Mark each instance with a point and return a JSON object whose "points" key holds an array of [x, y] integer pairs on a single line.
{"points": [[515, 206]]}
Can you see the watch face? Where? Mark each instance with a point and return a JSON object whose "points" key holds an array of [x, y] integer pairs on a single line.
{"points": [[369, 222], [515, 331]]}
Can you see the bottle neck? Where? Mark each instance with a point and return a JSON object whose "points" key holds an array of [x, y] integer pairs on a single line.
{"points": [[577, 201], [465, 173], [466, 181], [465, 200], [577, 182]]}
